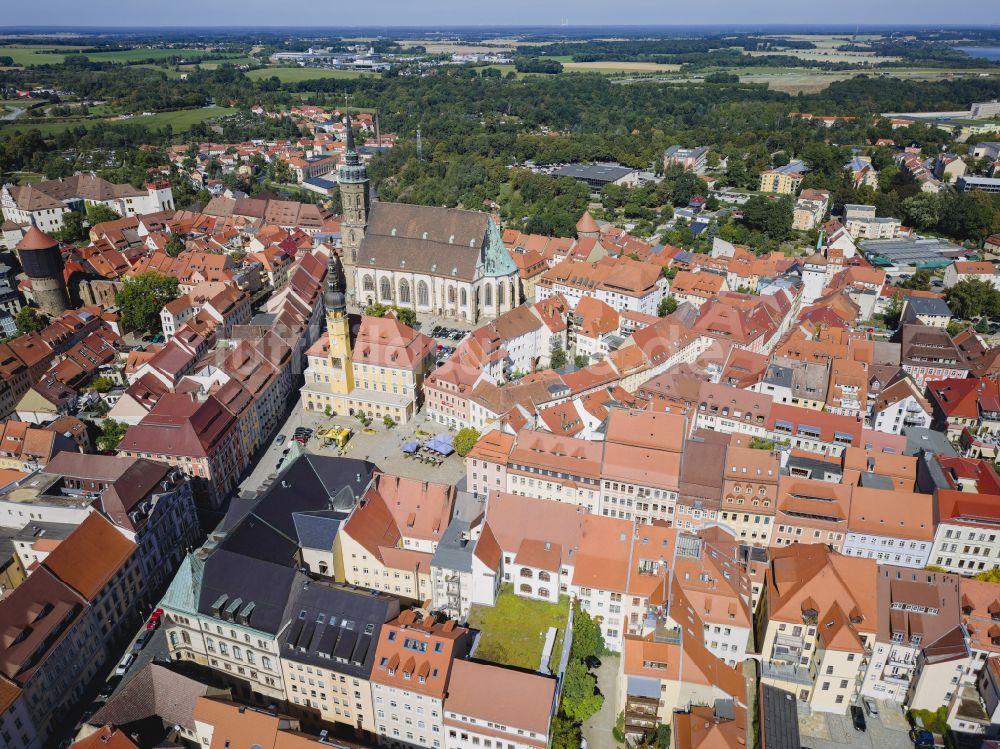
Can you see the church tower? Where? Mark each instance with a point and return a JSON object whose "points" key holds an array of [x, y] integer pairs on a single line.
{"points": [[356, 201], [338, 329]]}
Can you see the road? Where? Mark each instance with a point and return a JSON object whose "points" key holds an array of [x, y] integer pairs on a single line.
{"points": [[597, 729]]}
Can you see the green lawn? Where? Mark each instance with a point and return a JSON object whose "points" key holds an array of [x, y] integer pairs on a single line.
{"points": [[294, 75], [513, 632], [182, 119], [40, 54], [37, 54]]}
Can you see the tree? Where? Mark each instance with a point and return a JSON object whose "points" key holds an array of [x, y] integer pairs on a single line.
{"points": [[29, 320], [759, 443], [566, 733], [989, 576], [972, 298], [581, 699], [558, 359], [98, 213], [388, 421], [111, 434], [668, 306], [403, 314], [72, 229], [141, 298], [894, 311], [919, 281], [465, 440], [769, 215], [587, 637], [102, 384], [175, 246], [581, 360]]}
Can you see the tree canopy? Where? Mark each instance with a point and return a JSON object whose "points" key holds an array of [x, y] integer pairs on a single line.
{"points": [[972, 298], [142, 297]]}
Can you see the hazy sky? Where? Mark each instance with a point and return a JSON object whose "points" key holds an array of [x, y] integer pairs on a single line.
{"points": [[332, 13]]}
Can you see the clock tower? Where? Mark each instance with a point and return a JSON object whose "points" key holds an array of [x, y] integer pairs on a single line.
{"points": [[338, 329], [356, 201]]}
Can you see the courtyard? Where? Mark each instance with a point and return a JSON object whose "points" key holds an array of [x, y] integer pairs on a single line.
{"points": [[513, 631]]}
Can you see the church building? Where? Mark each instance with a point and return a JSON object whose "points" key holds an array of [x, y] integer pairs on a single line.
{"points": [[436, 261]]}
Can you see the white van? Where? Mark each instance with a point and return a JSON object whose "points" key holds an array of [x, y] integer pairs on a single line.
{"points": [[125, 664]]}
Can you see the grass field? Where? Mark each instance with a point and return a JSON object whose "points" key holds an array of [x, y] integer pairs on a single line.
{"points": [[513, 631], [610, 66], [180, 120], [294, 75], [37, 54]]}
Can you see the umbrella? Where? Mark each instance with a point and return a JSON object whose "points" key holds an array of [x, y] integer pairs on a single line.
{"points": [[410, 447]]}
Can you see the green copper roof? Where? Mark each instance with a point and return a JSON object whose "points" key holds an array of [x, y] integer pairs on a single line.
{"points": [[185, 589]]}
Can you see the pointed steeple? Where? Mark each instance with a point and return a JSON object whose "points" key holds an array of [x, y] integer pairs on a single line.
{"points": [[352, 171], [351, 157], [334, 296]]}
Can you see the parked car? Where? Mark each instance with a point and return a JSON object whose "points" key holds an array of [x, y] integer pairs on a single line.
{"points": [[871, 707], [109, 687], [858, 718], [154, 619], [125, 664], [922, 738], [280, 440], [592, 661], [142, 640]]}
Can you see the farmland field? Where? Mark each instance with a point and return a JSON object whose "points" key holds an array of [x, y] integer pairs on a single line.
{"points": [[294, 75], [38, 54], [182, 119], [610, 66]]}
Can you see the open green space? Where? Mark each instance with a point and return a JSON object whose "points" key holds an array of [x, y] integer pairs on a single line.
{"points": [[294, 75], [182, 119], [513, 631], [37, 54]]}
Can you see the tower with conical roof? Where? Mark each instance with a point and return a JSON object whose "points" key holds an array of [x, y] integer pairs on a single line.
{"points": [[338, 328], [43, 265], [356, 201], [587, 227]]}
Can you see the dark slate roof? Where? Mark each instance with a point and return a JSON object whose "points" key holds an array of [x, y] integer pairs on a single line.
{"points": [[318, 530], [928, 306], [876, 481], [927, 439], [266, 528], [779, 718], [423, 239], [818, 468], [229, 576], [335, 626], [454, 553]]}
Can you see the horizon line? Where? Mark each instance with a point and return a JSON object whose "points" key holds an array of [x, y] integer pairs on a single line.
{"points": [[804, 24]]}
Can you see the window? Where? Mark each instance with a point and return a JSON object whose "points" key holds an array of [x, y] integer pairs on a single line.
{"points": [[385, 289], [368, 283], [423, 294], [404, 292], [488, 297], [451, 295], [465, 297]]}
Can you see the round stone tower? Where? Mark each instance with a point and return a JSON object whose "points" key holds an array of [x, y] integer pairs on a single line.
{"points": [[43, 265]]}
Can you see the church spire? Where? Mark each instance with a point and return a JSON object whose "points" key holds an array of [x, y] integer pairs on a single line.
{"points": [[334, 296], [351, 157]]}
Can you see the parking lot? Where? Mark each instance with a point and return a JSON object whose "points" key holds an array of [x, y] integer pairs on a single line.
{"points": [[827, 731]]}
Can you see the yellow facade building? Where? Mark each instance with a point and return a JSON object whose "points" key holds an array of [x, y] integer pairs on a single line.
{"points": [[381, 374]]}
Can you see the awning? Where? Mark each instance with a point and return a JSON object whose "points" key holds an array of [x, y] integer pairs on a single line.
{"points": [[410, 447]]}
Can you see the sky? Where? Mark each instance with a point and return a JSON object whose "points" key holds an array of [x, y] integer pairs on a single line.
{"points": [[334, 13]]}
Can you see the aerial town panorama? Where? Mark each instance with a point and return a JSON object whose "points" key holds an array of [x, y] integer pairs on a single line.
{"points": [[607, 381]]}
